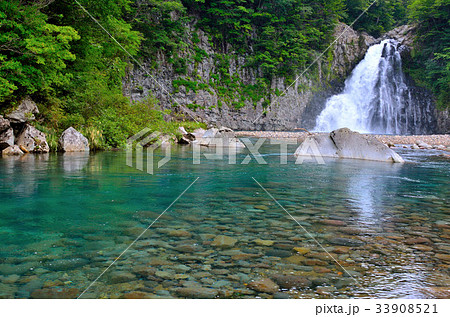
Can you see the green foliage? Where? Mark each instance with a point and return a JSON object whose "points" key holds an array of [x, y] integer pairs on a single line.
{"points": [[51, 136], [188, 84], [277, 36], [33, 53], [162, 24], [95, 138], [431, 63], [382, 16]]}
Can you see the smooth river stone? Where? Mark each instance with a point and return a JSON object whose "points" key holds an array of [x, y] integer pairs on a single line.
{"points": [[331, 222], [179, 233], [264, 285], [278, 253], [291, 281], [10, 279], [121, 277], [262, 207], [9, 291], [422, 247], [222, 241], [444, 257], [136, 295], [56, 293], [8, 269], [266, 243], [66, 264], [301, 250], [196, 292], [341, 250], [296, 259], [244, 256], [346, 242], [417, 240]]}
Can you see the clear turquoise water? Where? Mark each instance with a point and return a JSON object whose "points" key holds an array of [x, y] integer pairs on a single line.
{"points": [[64, 218]]}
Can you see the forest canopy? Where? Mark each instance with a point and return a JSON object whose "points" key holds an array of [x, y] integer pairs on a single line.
{"points": [[55, 52]]}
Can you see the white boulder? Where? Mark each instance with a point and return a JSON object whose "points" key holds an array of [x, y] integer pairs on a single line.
{"points": [[73, 141], [344, 143]]}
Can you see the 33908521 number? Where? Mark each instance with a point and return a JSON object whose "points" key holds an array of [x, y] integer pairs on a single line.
{"points": [[406, 308]]}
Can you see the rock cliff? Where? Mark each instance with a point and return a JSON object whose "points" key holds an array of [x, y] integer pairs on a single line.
{"points": [[278, 113]]}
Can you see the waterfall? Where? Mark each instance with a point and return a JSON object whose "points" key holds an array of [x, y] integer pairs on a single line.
{"points": [[377, 99]]}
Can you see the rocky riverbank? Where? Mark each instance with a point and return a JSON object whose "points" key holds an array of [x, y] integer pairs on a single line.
{"points": [[18, 136], [436, 141]]}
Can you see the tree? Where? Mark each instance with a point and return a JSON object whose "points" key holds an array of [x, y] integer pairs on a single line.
{"points": [[381, 17], [431, 56], [34, 53]]}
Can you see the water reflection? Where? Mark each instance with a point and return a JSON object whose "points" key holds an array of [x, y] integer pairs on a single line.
{"points": [[74, 161], [370, 187]]}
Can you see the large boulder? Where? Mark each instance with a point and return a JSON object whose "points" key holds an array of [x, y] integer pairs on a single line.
{"points": [[33, 140], [12, 150], [324, 143], [24, 113], [73, 141], [198, 133], [6, 134], [344, 143]]}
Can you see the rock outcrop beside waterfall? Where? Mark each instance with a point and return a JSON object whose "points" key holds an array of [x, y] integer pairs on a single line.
{"points": [[405, 36], [348, 50]]}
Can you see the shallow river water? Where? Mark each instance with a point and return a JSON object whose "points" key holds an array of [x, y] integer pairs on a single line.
{"points": [[346, 229]]}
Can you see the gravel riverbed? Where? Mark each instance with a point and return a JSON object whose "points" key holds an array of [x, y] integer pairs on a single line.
{"points": [[432, 140]]}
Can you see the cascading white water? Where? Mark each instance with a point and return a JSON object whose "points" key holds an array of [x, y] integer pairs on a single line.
{"points": [[376, 98]]}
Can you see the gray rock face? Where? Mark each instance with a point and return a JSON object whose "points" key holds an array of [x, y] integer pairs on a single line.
{"points": [[344, 143], [349, 49], [33, 140], [6, 134], [73, 141], [24, 113], [404, 35], [198, 133], [6, 138], [443, 121], [4, 124]]}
